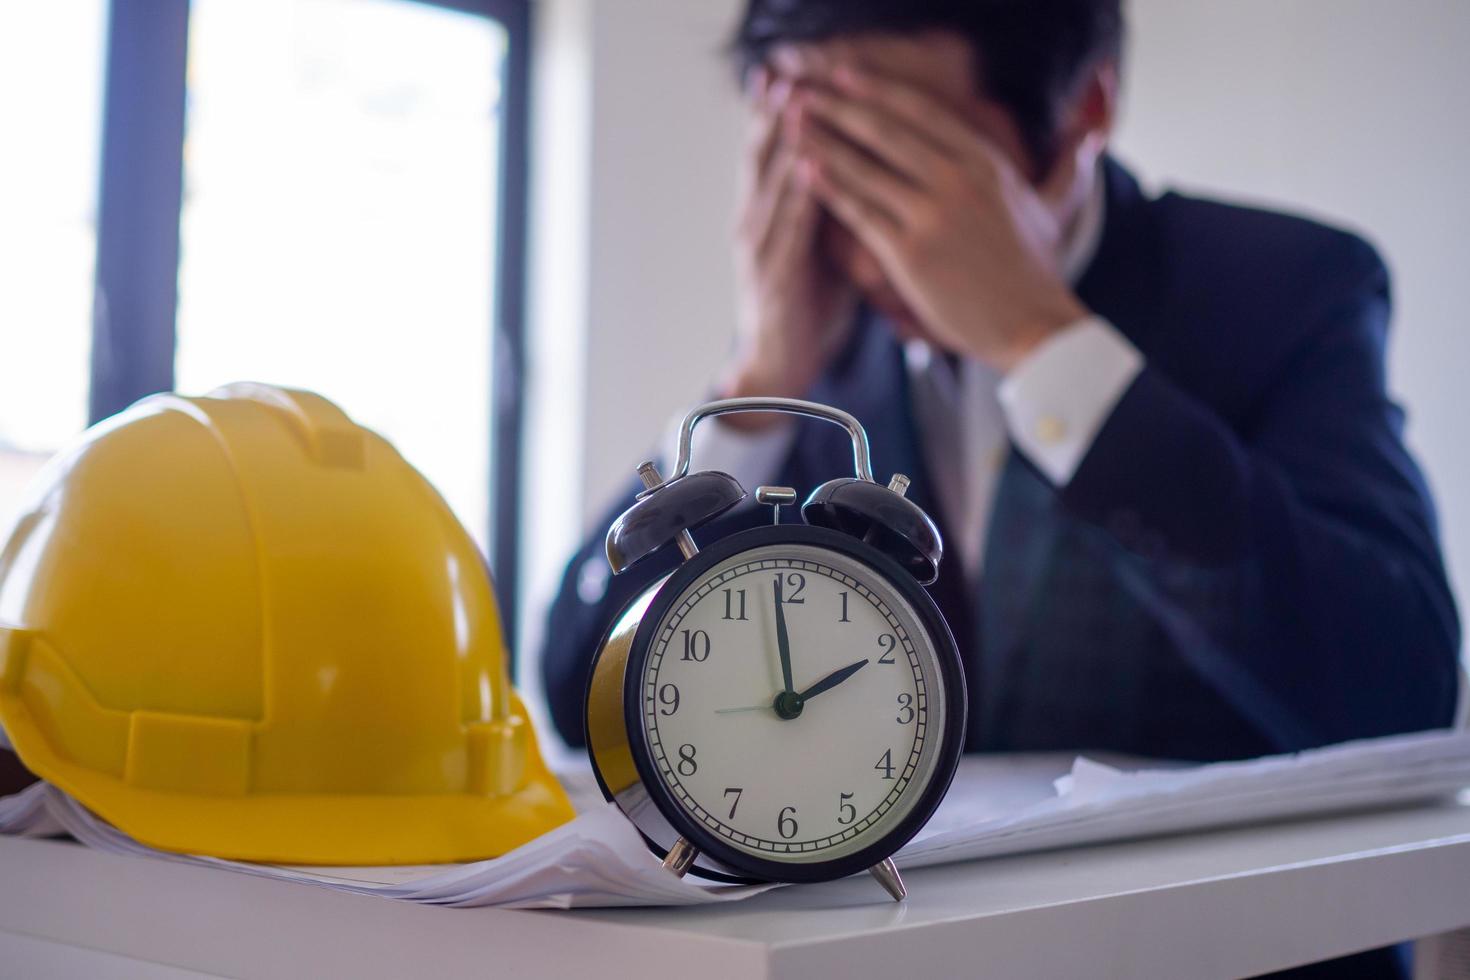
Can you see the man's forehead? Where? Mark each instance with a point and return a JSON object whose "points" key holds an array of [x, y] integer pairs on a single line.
{"points": [[939, 62]]}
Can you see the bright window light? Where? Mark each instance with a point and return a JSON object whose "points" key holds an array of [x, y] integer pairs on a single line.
{"points": [[51, 58], [341, 165]]}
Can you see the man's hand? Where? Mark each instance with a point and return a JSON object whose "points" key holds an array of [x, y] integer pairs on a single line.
{"points": [[795, 311], [966, 240]]}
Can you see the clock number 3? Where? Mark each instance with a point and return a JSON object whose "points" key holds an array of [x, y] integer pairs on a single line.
{"points": [[905, 708]]}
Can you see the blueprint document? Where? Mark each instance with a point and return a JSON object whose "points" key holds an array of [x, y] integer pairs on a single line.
{"points": [[999, 804]]}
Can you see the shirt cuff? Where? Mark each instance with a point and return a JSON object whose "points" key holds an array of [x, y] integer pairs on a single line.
{"points": [[1059, 396], [752, 457]]}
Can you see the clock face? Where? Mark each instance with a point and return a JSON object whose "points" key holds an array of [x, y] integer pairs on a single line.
{"points": [[825, 769]]}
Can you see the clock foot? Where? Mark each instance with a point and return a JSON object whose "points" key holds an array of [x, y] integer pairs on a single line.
{"points": [[681, 856], [887, 875]]}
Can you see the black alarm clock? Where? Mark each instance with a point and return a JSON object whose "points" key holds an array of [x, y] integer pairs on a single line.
{"points": [[789, 704]]}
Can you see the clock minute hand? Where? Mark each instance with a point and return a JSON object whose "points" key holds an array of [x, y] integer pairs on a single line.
{"points": [[783, 643], [832, 680]]}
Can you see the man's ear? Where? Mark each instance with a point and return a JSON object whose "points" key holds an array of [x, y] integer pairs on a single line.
{"points": [[1094, 106], [1085, 127]]}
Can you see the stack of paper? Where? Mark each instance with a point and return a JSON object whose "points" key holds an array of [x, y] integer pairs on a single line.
{"points": [[998, 805], [1096, 802], [596, 860]]}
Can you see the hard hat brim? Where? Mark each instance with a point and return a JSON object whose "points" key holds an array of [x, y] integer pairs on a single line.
{"points": [[322, 829]]}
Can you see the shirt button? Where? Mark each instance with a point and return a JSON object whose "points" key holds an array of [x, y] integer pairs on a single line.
{"points": [[1050, 430]]}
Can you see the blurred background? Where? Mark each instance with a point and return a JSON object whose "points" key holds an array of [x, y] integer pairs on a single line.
{"points": [[497, 230]]}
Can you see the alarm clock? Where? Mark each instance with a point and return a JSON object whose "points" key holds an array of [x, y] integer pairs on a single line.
{"points": [[788, 704]]}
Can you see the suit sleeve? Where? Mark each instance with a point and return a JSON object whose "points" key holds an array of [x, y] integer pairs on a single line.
{"points": [[1294, 557]]}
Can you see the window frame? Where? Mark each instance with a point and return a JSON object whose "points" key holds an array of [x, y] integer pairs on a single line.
{"points": [[139, 204]]}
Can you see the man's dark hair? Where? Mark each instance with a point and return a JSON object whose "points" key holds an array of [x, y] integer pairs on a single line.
{"points": [[1031, 53]]}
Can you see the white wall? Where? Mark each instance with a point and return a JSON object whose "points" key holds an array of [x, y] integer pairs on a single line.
{"points": [[636, 139], [1351, 109]]}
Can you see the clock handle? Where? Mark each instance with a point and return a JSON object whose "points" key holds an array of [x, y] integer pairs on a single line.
{"points": [[862, 457], [666, 510]]}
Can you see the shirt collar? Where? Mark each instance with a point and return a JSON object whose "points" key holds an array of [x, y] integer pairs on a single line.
{"points": [[1080, 248]]}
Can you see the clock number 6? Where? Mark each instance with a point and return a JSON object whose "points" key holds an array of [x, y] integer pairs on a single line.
{"points": [[887, 641], [786, 825], [687, 765]]}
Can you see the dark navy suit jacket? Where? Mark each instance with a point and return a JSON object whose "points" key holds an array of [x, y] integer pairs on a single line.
{"points": [[1246, 560]]}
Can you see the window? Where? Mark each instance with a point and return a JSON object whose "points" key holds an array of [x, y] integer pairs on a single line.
{"points": [[51, 59], [339, 214], [316, 193]]}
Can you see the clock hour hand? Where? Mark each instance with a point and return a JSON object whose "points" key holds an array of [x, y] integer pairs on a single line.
{"points": [[831, 680], [825, 684]]}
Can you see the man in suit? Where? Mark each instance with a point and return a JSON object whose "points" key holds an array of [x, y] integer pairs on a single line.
{"points": [[1179, 515]]}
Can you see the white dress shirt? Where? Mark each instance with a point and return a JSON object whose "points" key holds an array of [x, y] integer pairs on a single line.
{"points": [[1051, 406]]}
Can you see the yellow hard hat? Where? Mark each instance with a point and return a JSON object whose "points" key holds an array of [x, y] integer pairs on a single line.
{"points": [[242, 625]]}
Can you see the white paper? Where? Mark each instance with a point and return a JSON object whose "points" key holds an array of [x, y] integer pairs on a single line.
{"points": [[998, 804]]}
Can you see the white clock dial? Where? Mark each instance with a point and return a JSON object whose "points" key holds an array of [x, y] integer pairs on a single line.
{"points": [[848, 767]]}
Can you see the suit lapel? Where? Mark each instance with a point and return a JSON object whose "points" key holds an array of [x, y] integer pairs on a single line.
{"points": [[1027, 516], [870, 382]]}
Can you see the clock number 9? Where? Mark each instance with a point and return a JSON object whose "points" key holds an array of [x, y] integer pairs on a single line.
{"points": [[905, 706], [696, 645], [786, 825], [687, 765], [887, 641], [668, 696]]}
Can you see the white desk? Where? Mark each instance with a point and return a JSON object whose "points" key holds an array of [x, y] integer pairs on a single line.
{"points": [[1220, 904]]}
